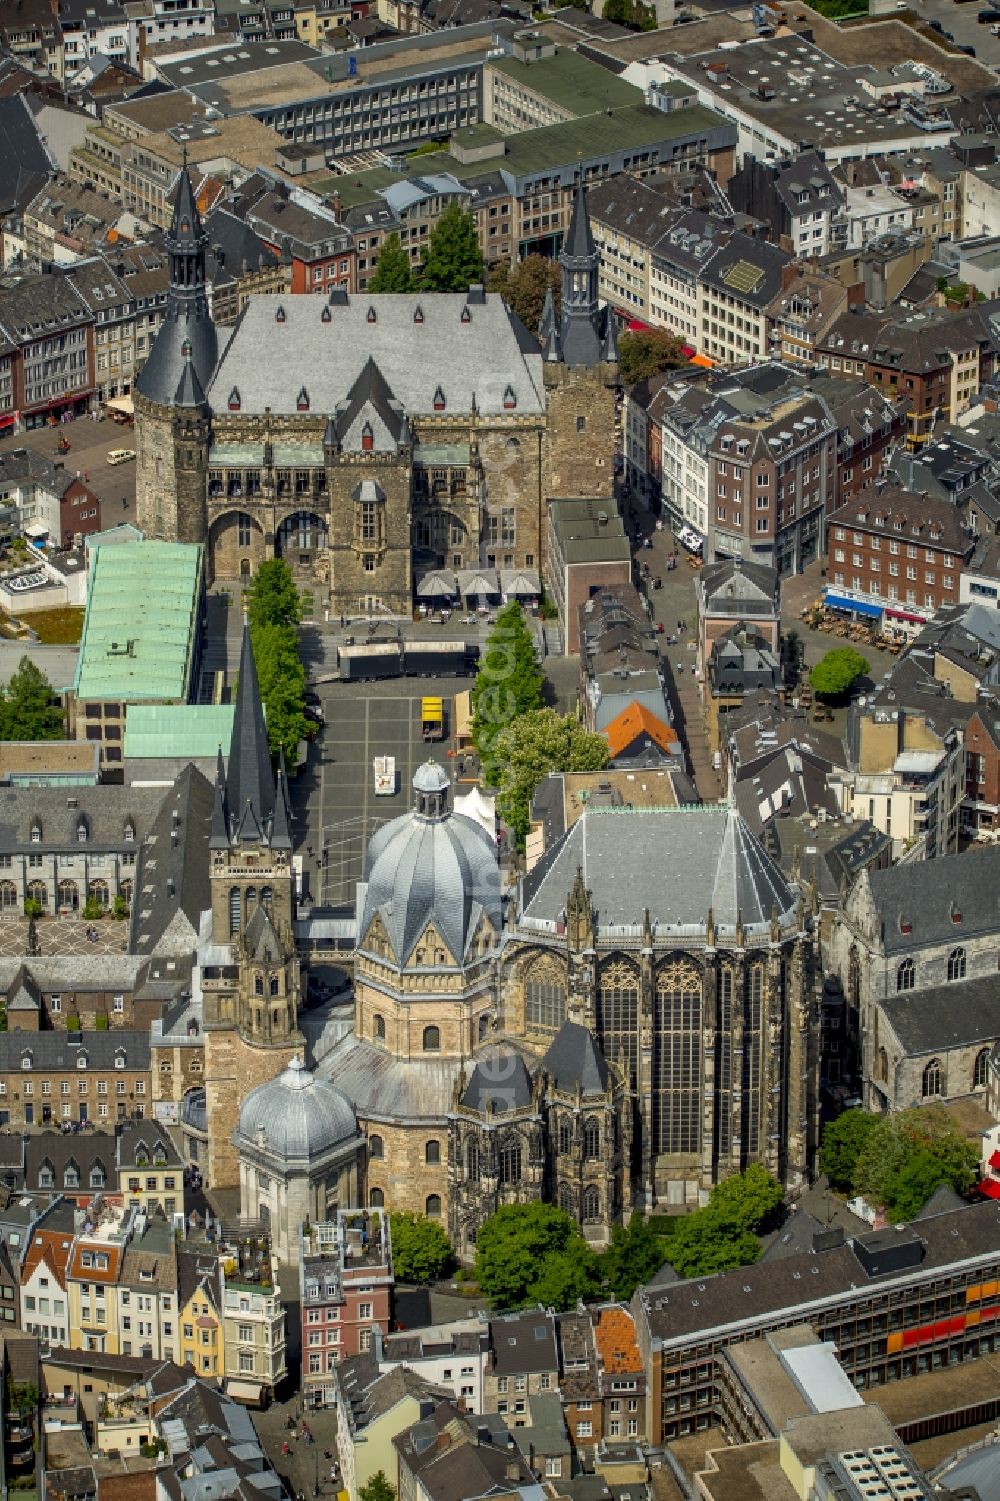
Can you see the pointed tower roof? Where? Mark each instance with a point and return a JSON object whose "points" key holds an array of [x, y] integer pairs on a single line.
{"points": [[579, 241], [218, 838], [189, 389], [187, 335], [575, 1058], [281, 829], [186, 228], [250, 783]]}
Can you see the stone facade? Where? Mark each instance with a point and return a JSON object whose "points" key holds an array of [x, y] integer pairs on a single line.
{"points": [[347, 479]]}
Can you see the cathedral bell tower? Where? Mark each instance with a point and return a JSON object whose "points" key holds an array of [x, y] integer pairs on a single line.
{"points": [[252, 982]]}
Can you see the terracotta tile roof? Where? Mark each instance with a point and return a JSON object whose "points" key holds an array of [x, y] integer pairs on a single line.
{"points": [[631, 723], [52, 1248], [616, 1342], [75, 1267]]}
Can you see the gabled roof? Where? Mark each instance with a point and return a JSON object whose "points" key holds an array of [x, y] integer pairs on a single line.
{"points": [[574, 1058], [634, 721], [500, 1083], [917, 903]]}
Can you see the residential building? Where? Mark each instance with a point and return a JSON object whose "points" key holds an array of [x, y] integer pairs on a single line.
{"points": [[981, 808], [301, 227], [150, 1173], [345, 1290], [447, 1453], [870, 425], [741, 662], [42, 1275], [137, 644], [72, 1076], [454, 1354], [92, 1275], [372, 1409], [731, 592], [52, 501], [799, 199], [89, 28], [77, 1169], [253, 1320], [524, 1362], [874, 211], [47, 326], [66, 221], [639, 741], [898, 553], [151, 22], [147, 1293], [915, 951], [802, 313], [586, 551], [736, 288], [201, 1344]]}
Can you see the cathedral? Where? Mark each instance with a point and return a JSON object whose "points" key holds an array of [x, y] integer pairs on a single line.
{"points": [[361, 437]]}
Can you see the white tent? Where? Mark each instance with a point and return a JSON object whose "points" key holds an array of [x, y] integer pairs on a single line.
{"points": [[481, 809]]}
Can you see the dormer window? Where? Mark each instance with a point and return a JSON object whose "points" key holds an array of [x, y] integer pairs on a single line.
{"points": [[97, 1178], [36, 832], [302, 400], [234, 399], [905, 925], [509, 399], [367, 438], [46, 1178], [186, 350], [25, 1060], [371, 315], [439, 401], [418, 314], [466, 315], [81, 1060], [119, 1059], [956, 916], [279, 315], [129, 831], [81, 832], [325, 316]]}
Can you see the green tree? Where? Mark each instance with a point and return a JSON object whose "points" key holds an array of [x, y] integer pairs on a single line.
{"points": [[392, 269], [421, 1251], [748, 1200], [524, 285], [29, 709], [272, 598], [377, 1489], [92, 909], [454, 260], [119, 907], [282, 680], [32, 907], [914, 1183], [647, 352], [844, 1140], [528, 749], [700, 1244], [894, 1165], [634, 1256], [508, 682], [526, 1253], [834, 673]]}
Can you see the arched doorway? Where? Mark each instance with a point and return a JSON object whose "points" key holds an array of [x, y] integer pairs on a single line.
{"points": [[236, 545]]}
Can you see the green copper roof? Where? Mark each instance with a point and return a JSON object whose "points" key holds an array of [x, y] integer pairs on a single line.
{"points": [[141, 622], [165, 731]]}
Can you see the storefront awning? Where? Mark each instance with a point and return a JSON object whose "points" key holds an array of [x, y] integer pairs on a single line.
{"points": [[244, 1391], [36, 529], [121, 404], [989, 1188], [904, 615], [857, 606]]}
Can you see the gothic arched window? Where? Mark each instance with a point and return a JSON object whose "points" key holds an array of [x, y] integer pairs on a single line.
{"points": [[592, 1138], [591, 1203], [509, 1161], [906, 975], [930, 1084]]}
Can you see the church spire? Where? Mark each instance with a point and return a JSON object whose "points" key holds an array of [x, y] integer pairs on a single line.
{"points": [[183, 356], [250, 787]]}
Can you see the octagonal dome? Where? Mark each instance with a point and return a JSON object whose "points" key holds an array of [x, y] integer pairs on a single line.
{"points": [[430, 865], [297, 1117]]}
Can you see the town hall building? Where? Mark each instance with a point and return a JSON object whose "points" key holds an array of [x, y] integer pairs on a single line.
{"points": [[362, 437]]}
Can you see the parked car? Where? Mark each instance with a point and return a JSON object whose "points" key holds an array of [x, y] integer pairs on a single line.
{"points": [[121, 455]]}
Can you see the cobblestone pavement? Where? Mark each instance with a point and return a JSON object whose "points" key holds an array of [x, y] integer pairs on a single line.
{"points": [[90, 444], [305, 1468], [64, 935]]}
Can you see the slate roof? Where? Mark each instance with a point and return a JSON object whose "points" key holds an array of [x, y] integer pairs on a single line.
{"points": [[234, 248], [924, 895], [89, 1150], [944, 1200], [473, 361], [524, 1343], [55, 1052], [499, 1082], [25, 164], [574, 1058], [187, 331], [732, 584], [724, 867], [381, 1087], [105, 811], [173, 887], [945, 1016]]}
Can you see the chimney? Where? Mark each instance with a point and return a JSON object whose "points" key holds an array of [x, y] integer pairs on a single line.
{"points": [[513, 1470], [789, 274]]}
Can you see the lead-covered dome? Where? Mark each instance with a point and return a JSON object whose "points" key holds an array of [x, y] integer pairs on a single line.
{"points": [[430, 865], [297, 1117]]}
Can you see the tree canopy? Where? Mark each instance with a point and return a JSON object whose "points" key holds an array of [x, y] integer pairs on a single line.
{"points": [[633, 1257], [273, 611], [647, 352], [454, 260], [531, 746], [723, 1234], [392, 268], [834, 673], [421, 1251], [897, 1161], [377, 1489], [534, 1253], [525, 284], [508, 682], [29, 709]]}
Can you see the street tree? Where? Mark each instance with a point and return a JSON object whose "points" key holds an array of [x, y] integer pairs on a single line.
{"points": [[392, 268], [454, 260], [633, 1257], [508, 682], [377, 1489], [700, 1244], [29, 709], [835, 672], [648, 352], [524, 285], [529, 1253], [749, 1200], [272, 598], [529, 748], [844, 1140], [421, 1251]]}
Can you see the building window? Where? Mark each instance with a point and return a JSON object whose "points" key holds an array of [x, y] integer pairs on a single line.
{"points": [[905, 975], [376, 1198], [432, 1153], [432, 1206], [509, 1161], [956, 964], [472, 1160], [931, 1082], [376, 1148], [592, 1138], [591, 1203], [378, 1028], [432, 1039], [979, 1069], [545, 1004]]}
